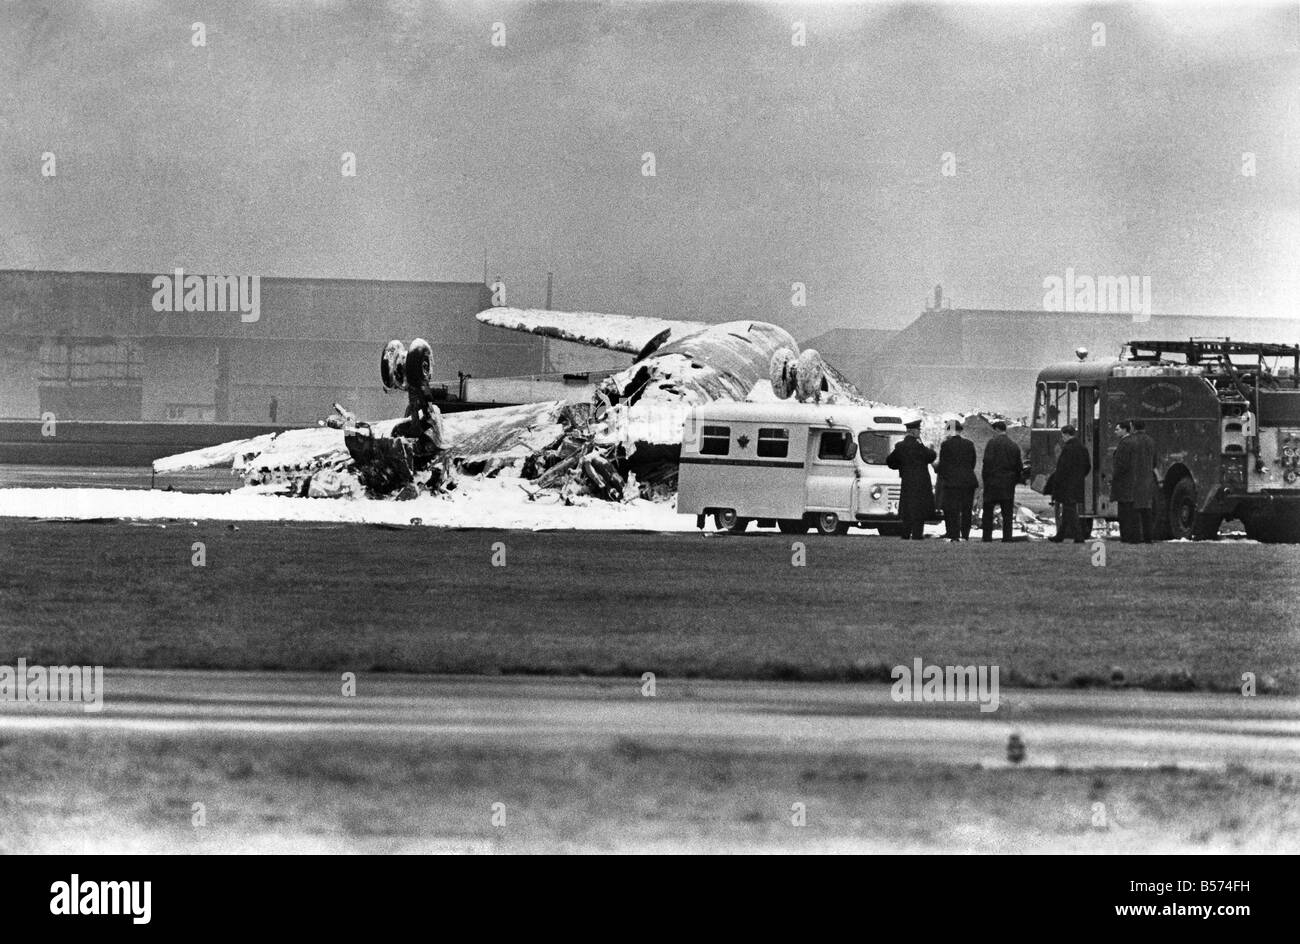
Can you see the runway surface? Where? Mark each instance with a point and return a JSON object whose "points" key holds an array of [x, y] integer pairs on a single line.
{"points": [[1072, 729]]}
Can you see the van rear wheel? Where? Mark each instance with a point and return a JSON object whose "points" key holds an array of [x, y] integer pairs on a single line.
{"points": [[793, 526], [828, 522], [728, 521]]}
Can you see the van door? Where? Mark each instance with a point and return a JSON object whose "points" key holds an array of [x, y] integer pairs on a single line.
{"points": [[832, 472]]}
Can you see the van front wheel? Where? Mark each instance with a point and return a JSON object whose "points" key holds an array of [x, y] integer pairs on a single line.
{"points": [[726, 520], [828, 522]]}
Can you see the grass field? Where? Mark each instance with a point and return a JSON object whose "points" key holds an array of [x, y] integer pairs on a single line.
{"points": [[87, 794], [362, 598]]}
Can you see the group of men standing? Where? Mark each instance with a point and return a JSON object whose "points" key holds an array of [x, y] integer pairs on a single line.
{"points": [[954, 466], [1133, 486]]}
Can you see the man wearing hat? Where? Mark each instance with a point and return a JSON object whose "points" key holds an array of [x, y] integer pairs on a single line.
{"points": [[1072, 467], [1002, 471], [912, 459], [956, 472]]}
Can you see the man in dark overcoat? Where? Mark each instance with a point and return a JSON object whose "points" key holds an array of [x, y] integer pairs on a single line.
{"points": [[912, 459]]}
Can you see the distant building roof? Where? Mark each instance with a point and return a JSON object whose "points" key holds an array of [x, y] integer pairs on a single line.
{"points": [[850, 340]]}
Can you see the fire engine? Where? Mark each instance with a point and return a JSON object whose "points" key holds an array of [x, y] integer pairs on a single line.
{"points": [[1225, 417]]}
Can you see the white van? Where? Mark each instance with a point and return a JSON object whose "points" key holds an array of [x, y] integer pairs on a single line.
{"points": [[795, 465]]}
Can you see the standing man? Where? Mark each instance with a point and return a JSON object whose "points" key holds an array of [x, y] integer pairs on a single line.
{"points": [[1002, 469], [1072, 467], [1144, 480], [1133, 487], [956, 473], [912, 459]]}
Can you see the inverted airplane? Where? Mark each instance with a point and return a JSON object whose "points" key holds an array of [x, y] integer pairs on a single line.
{"points": [[677, 365]]}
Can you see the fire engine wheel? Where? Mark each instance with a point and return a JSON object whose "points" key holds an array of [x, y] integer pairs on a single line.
{"points": [[726, 520], [791, 526], [828, 522], [1206, 527], [1182, 510], [1273, 526]]}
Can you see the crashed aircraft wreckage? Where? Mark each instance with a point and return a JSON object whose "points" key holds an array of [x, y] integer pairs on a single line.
{"points": [[623, 444], [632, 427]]}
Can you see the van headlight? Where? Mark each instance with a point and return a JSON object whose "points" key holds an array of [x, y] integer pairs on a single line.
{"points": [[876, 492]]}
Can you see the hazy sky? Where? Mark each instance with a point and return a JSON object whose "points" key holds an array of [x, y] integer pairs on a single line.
{"points": [[774, 163]]}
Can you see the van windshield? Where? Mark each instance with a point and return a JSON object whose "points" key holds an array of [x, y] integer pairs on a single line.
{"points": [[874, 447]]}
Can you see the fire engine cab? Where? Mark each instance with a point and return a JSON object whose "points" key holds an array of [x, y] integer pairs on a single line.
{"points": [[1225, 418]]}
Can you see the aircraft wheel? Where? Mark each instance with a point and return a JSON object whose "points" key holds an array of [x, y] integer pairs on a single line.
{"points": [[419, 364], [392, 365]]}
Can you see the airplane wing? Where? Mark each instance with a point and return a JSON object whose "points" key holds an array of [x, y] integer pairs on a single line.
{"points": [[630, 333], [473, 434]]}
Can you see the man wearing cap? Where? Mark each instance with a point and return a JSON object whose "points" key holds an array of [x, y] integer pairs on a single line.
{"points": [[912, 459], [1072, 467], [1002, 470], [956, 473]]}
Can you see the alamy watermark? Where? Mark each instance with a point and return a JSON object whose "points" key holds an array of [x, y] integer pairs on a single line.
{"points": [[1099, 294], [78, 897], [209, 293], [32, 684], [921, 683]]}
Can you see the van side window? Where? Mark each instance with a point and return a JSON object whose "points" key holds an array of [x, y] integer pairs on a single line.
{"points": [[833, 445], [773, 443], [874, 447], [715, 441]]}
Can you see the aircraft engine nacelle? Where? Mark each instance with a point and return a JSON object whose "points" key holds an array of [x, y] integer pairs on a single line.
{"points": [[809, 376], [782, 373]]}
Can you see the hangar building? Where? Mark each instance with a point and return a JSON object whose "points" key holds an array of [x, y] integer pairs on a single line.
{"points": [[93, 346], [965, 359]]}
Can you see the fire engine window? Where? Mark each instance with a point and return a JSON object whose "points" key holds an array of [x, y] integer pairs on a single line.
{"points": [[773, 443], [834, 444], [715, 441], [875, 447], [1057, 405]]}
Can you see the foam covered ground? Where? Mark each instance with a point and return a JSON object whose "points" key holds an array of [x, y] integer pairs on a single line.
{"points": [[487, 503]]}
